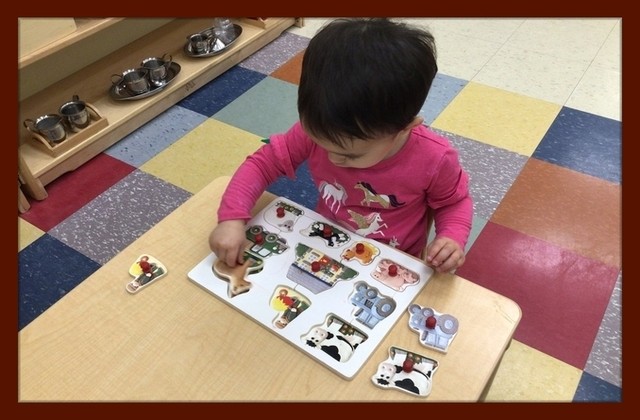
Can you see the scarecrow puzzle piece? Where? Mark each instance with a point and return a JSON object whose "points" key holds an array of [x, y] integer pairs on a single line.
{"points": [[436, 330], [145, 270], [406, 371], [289, 303]]}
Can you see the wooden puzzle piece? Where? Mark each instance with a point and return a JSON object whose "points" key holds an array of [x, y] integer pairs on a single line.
{"points": [[317, 271], [332, 236], [371, 306], [145, 270], [236, 276], [394, 275], [363, 251], [406, 371], [283, 215], [336, 337], [436, 330], [265, 243], [289, 303]]}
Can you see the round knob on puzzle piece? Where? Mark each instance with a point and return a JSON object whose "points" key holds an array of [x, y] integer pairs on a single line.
{"points": [[359, 248], [407, 365], [327, 231], [448, 324], [393, 270], [280, 212], [258, 238], [315, 266], [431, 322]]}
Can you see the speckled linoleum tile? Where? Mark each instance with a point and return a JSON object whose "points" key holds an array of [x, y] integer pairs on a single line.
{"points": [[221, 91], [267, 108], [575, 211], [153, 137], [443, 90], [605, 360], [27, 233], [499, 118], [584, 142], [48, 270], [276, 53], [526, 374], [491, 170], [211, 150], [120, 215]]}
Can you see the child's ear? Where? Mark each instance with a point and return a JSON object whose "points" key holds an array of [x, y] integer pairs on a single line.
{"points": [[417, 120]]}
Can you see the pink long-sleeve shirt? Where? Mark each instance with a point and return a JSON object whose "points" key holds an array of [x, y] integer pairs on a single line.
{"points": [[387, 202]]}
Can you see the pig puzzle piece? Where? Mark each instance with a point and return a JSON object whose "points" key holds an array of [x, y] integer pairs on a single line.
{"points": [[394, 275], [236, 276], [406, 371], [436, 330], [145, 271]]}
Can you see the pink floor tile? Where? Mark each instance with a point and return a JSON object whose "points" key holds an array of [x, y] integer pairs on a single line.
{"points": [[563, 295], [86, 182]]}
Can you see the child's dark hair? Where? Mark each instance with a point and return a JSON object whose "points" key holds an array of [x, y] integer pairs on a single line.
{"points": [[364, 78]]}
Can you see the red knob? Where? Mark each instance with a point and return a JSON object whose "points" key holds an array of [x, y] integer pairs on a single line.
{"points": [[280, 212], [431, 322], [359, 248], [259, 238], [407, 366], [327, 231], [393, 270], [315, 266]]}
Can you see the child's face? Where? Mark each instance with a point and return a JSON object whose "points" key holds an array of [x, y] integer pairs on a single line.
{"points": [[363, 153]]}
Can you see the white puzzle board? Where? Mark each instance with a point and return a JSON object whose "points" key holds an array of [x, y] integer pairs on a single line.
{"points": [[331, 293]]}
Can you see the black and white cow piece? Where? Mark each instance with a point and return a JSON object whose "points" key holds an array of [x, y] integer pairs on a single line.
{"points": [[336, 338], [414, 378]]}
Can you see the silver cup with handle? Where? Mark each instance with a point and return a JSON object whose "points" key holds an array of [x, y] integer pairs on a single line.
{"points": [[50, 127], [75, 113], [135, 81], [158, 68]]}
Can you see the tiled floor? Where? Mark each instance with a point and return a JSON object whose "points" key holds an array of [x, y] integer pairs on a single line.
{"points": [[533, 105]]}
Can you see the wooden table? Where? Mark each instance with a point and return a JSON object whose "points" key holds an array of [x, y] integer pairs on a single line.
{"points": [[173, 341]]}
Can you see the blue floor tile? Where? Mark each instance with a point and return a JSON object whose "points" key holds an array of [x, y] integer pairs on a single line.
{"points": [[48, 270], [584, 142], [155, 136], [443, 89], [221, 91], [592, 389]]}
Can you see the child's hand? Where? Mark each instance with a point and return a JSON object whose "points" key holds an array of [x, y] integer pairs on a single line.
{"points": [[228, 240], [444, 255]]}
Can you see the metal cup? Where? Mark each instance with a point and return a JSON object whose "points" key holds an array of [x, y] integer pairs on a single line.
{"points": [[200, 43], [76, 114], [49, 126], [158, 69], [133, 80]]}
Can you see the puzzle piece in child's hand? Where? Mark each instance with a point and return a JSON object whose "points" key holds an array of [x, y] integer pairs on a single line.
{"points": [[283, 215], [236, 276], [289, 303], [436, 330], [145, 270], [406, 371], [394, 275]]}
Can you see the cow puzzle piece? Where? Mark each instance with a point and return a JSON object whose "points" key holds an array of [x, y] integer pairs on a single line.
{"points": [[406, 371], [336, 337]]}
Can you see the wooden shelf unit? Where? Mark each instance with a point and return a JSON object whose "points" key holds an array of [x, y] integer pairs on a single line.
{"points": [[36, 168]]}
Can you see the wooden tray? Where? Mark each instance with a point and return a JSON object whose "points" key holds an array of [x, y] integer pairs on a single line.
{"points": [[98, 122]]}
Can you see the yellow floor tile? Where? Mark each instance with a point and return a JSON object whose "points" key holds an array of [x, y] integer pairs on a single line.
{"points": [[211, 150], [27, 233], [499, 118], [526, 374]]}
